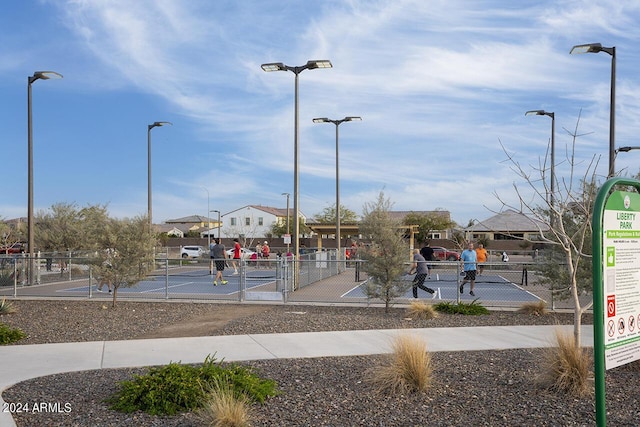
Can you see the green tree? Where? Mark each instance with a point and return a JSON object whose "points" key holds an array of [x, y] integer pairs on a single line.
{"points": [[387, 253], [59, 229], [429, 222], [279, 228], [126, 255], [328, 215]]}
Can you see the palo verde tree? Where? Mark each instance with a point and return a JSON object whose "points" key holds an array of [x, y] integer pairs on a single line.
{"points": [[567, 215], [428, 222], [328, 215], [386, 254]]}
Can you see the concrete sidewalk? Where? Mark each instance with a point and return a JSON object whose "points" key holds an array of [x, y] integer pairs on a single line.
{"points": [[22, 362]]}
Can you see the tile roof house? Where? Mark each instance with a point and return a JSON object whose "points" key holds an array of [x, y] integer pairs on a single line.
{"points": [[507, 225], [253, 221]]}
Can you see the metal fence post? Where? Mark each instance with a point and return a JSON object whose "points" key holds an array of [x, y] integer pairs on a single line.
{"points": [[166, 278]]}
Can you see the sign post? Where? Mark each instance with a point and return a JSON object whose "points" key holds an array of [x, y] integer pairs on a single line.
{"points": [[616, 282]]}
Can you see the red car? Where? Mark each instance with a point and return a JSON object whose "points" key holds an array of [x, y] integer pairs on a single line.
{"points": [[442, 254], [16, 248]]}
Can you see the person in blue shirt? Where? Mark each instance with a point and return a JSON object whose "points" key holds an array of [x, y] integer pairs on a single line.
{"points": [[470, 261]]}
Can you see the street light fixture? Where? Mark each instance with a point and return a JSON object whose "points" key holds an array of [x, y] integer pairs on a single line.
{"points": [[627, 149], [38, 75], [596, 48], [149, 206], [337, 123], [553, 149], [279, 66]]}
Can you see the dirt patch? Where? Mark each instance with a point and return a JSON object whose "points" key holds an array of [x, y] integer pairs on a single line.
{"points": [[206, 324]]}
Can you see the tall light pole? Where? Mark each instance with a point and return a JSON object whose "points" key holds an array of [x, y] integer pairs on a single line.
{"points": [[595, 48], [288, 230], [38, 75], [337, 123], [149, 206], [279, 66], [553, 150], [215, 210], [208, 220]]}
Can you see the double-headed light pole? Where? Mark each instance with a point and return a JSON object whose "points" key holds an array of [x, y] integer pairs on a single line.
{"points": [[279, 66], [596, 48], [38, 75], [337, 123], [149, 204]]}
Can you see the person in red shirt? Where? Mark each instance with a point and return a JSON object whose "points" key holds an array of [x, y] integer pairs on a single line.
{"points": [[266, 252], [237, 249]]}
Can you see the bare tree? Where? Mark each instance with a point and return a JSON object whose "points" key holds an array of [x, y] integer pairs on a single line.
{"points": [[566, 213], [386, 254]]}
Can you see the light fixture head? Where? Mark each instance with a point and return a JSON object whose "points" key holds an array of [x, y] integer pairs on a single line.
{"points": [[586, 48], [352, 119], [46, 75], [321, 120], [319, 63], [156, 124], [274, 66]]}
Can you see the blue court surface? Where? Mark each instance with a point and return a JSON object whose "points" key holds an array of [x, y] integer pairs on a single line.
{"points": [[190, 281], [488, 287]]}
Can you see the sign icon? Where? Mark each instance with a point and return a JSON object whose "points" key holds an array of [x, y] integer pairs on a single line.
{"points": [[632, 323], [611, 305], [621, 326], [610, 328]]}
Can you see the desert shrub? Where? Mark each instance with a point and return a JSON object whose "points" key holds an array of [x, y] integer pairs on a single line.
{"points": [[538, 308], [408, 369], [421, 310], [223, 407], [178, 388], [473, 308], [567, 367], [9, 335], [6, 307]]}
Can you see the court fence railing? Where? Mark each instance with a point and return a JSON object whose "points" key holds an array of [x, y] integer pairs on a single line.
{"points": [[315, 278]]}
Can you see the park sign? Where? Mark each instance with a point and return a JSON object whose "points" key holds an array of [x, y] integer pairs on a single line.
{"points": [[616, 281], [621, 278]]}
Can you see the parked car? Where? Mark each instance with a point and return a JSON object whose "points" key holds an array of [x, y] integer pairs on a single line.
{"points": [[244, 253], [16, 248], [191, 251], [442, 254]]}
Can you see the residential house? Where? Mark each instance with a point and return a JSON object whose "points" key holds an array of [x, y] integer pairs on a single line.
{"points": [[193, 223], [253, 221], [507, 229]]}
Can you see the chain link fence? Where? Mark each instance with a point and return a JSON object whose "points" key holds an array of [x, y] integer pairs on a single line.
{"points": [[316, 278]]}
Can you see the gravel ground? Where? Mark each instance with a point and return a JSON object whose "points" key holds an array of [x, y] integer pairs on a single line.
{"points": [[488, 388]]}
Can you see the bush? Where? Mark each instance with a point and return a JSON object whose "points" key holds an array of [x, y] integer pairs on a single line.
{"points": [[534, 308], [178, 388], [421, 310], [472, 309], [567, 367], [9, 335], [409, 368]]}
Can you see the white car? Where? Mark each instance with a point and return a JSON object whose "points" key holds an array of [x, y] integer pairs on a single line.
{"points": [[244, 253], [191, 251]]}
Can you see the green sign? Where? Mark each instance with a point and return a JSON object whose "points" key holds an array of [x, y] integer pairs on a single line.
{"points": [[616, 282]]}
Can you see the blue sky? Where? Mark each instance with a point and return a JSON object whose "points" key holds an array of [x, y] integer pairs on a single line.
{"points": [[439, 86]]}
